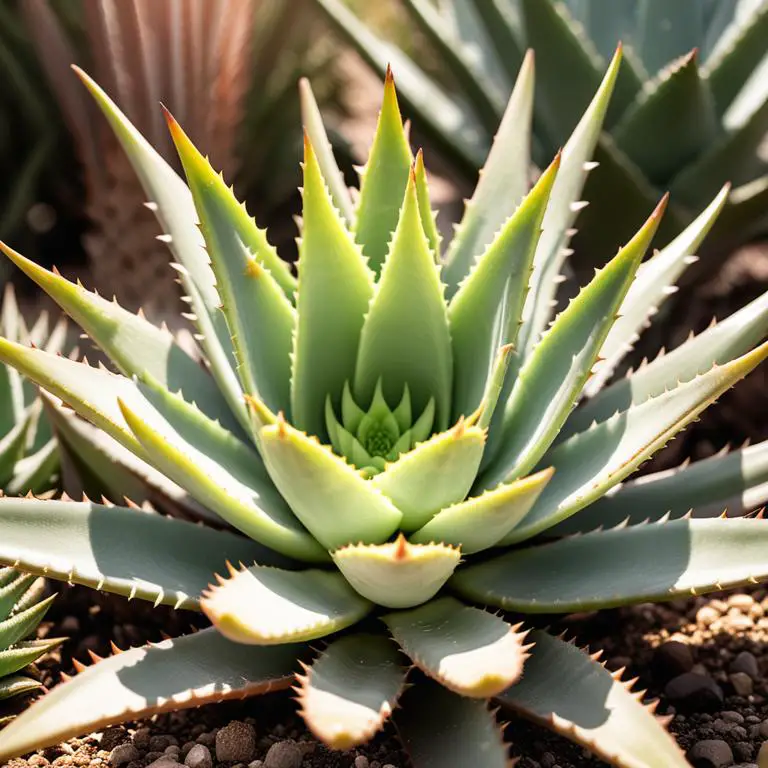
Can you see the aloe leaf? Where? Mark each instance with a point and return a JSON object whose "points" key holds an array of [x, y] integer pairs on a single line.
{"points": [[332, 500], [719, 344], [426, 214], [176, 674], [332, 273], [745, 215], [228, 487], [433, 475], [408, 296], [734, 482], [248, 275], [502, 28], [11, 593], [383, 181], [587, 465], [552, 378], [482, 521], [492, 296], [653, 283], [12, 446], [22, 623], [494, 387], [270, 606], [35, 473], [666, 30], [120, 550], [15, 685], [467, 650], [455, 58], [442, 730], [572, 693], [501, 186], [451, 125], [679, 105], [731, 64], [397, 574], [318, 138], [563, 205], [24, 653], [689, 557], [350, 690], [171, 201], [133, 344]]}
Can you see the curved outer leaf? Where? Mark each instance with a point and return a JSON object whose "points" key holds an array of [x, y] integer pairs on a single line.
{"points": [[451, 125], [405, 337], [442, 730], [270, 606], [332, 273], [248, 274], [133, 344], [433, 475], [481, 522], [552, 378], [728, 482], [172, 202], [125, 551], [175, 674], [259, 512], [563, 205], [638, 564], [334, 179], [489, 302], [587, 465], [653, 282], [469, 651], [383, 181], [332, 500], [350, 690], [573, 694], [397, 574], [501, 186], [719, 344]]}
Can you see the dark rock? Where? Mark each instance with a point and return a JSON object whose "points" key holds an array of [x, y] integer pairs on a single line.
{"points": [[123, 753], [712, 753], [236, 743], [141, 738], [670, 660], [284, 754], [198, 757], [746, 662], [692, 692], [112, 737]]}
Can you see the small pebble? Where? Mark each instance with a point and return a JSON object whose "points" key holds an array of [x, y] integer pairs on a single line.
{"points": [[141, 738], [361, 761], [112, 737], [284, 754], [742, 683], [236, 743], [123, 753], [711, 753], [198, 757], [670, 660], [694, 692], [746, 662]]}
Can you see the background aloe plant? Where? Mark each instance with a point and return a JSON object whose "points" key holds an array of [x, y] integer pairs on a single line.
{"points": [[394, 435], [690, 110]]}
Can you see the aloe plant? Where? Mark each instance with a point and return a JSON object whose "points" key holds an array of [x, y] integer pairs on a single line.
{"points": [[29, 459], [395, 443], [690, 110]]}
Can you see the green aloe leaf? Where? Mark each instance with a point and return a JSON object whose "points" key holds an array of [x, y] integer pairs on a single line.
{"points": [[255, 508], [734, 482], [469, 651], [573, 694], [678, 105], [248, 277], [11, 593], [482, 521], [13, 445], [350, 690], [328, 495], [405, 337], [120, 550], [653, 283], [397, 574], [383, 181], [667, 30], [133, 344], [426, 214], [501, 186], [719, 344], [490, 300], [23, 623], [175, 674], [318, 138], [270, 606], [502, 28], [689, 557], [24, 653], [171, 201], [552, 378], [35, 473], [442, 730], [433, 475], [15, 685], [334, 274]]}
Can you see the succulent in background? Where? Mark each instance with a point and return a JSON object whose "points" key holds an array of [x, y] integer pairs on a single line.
{"points": [[29, 458], [681, 119], [390, 463], [22, 608]]}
